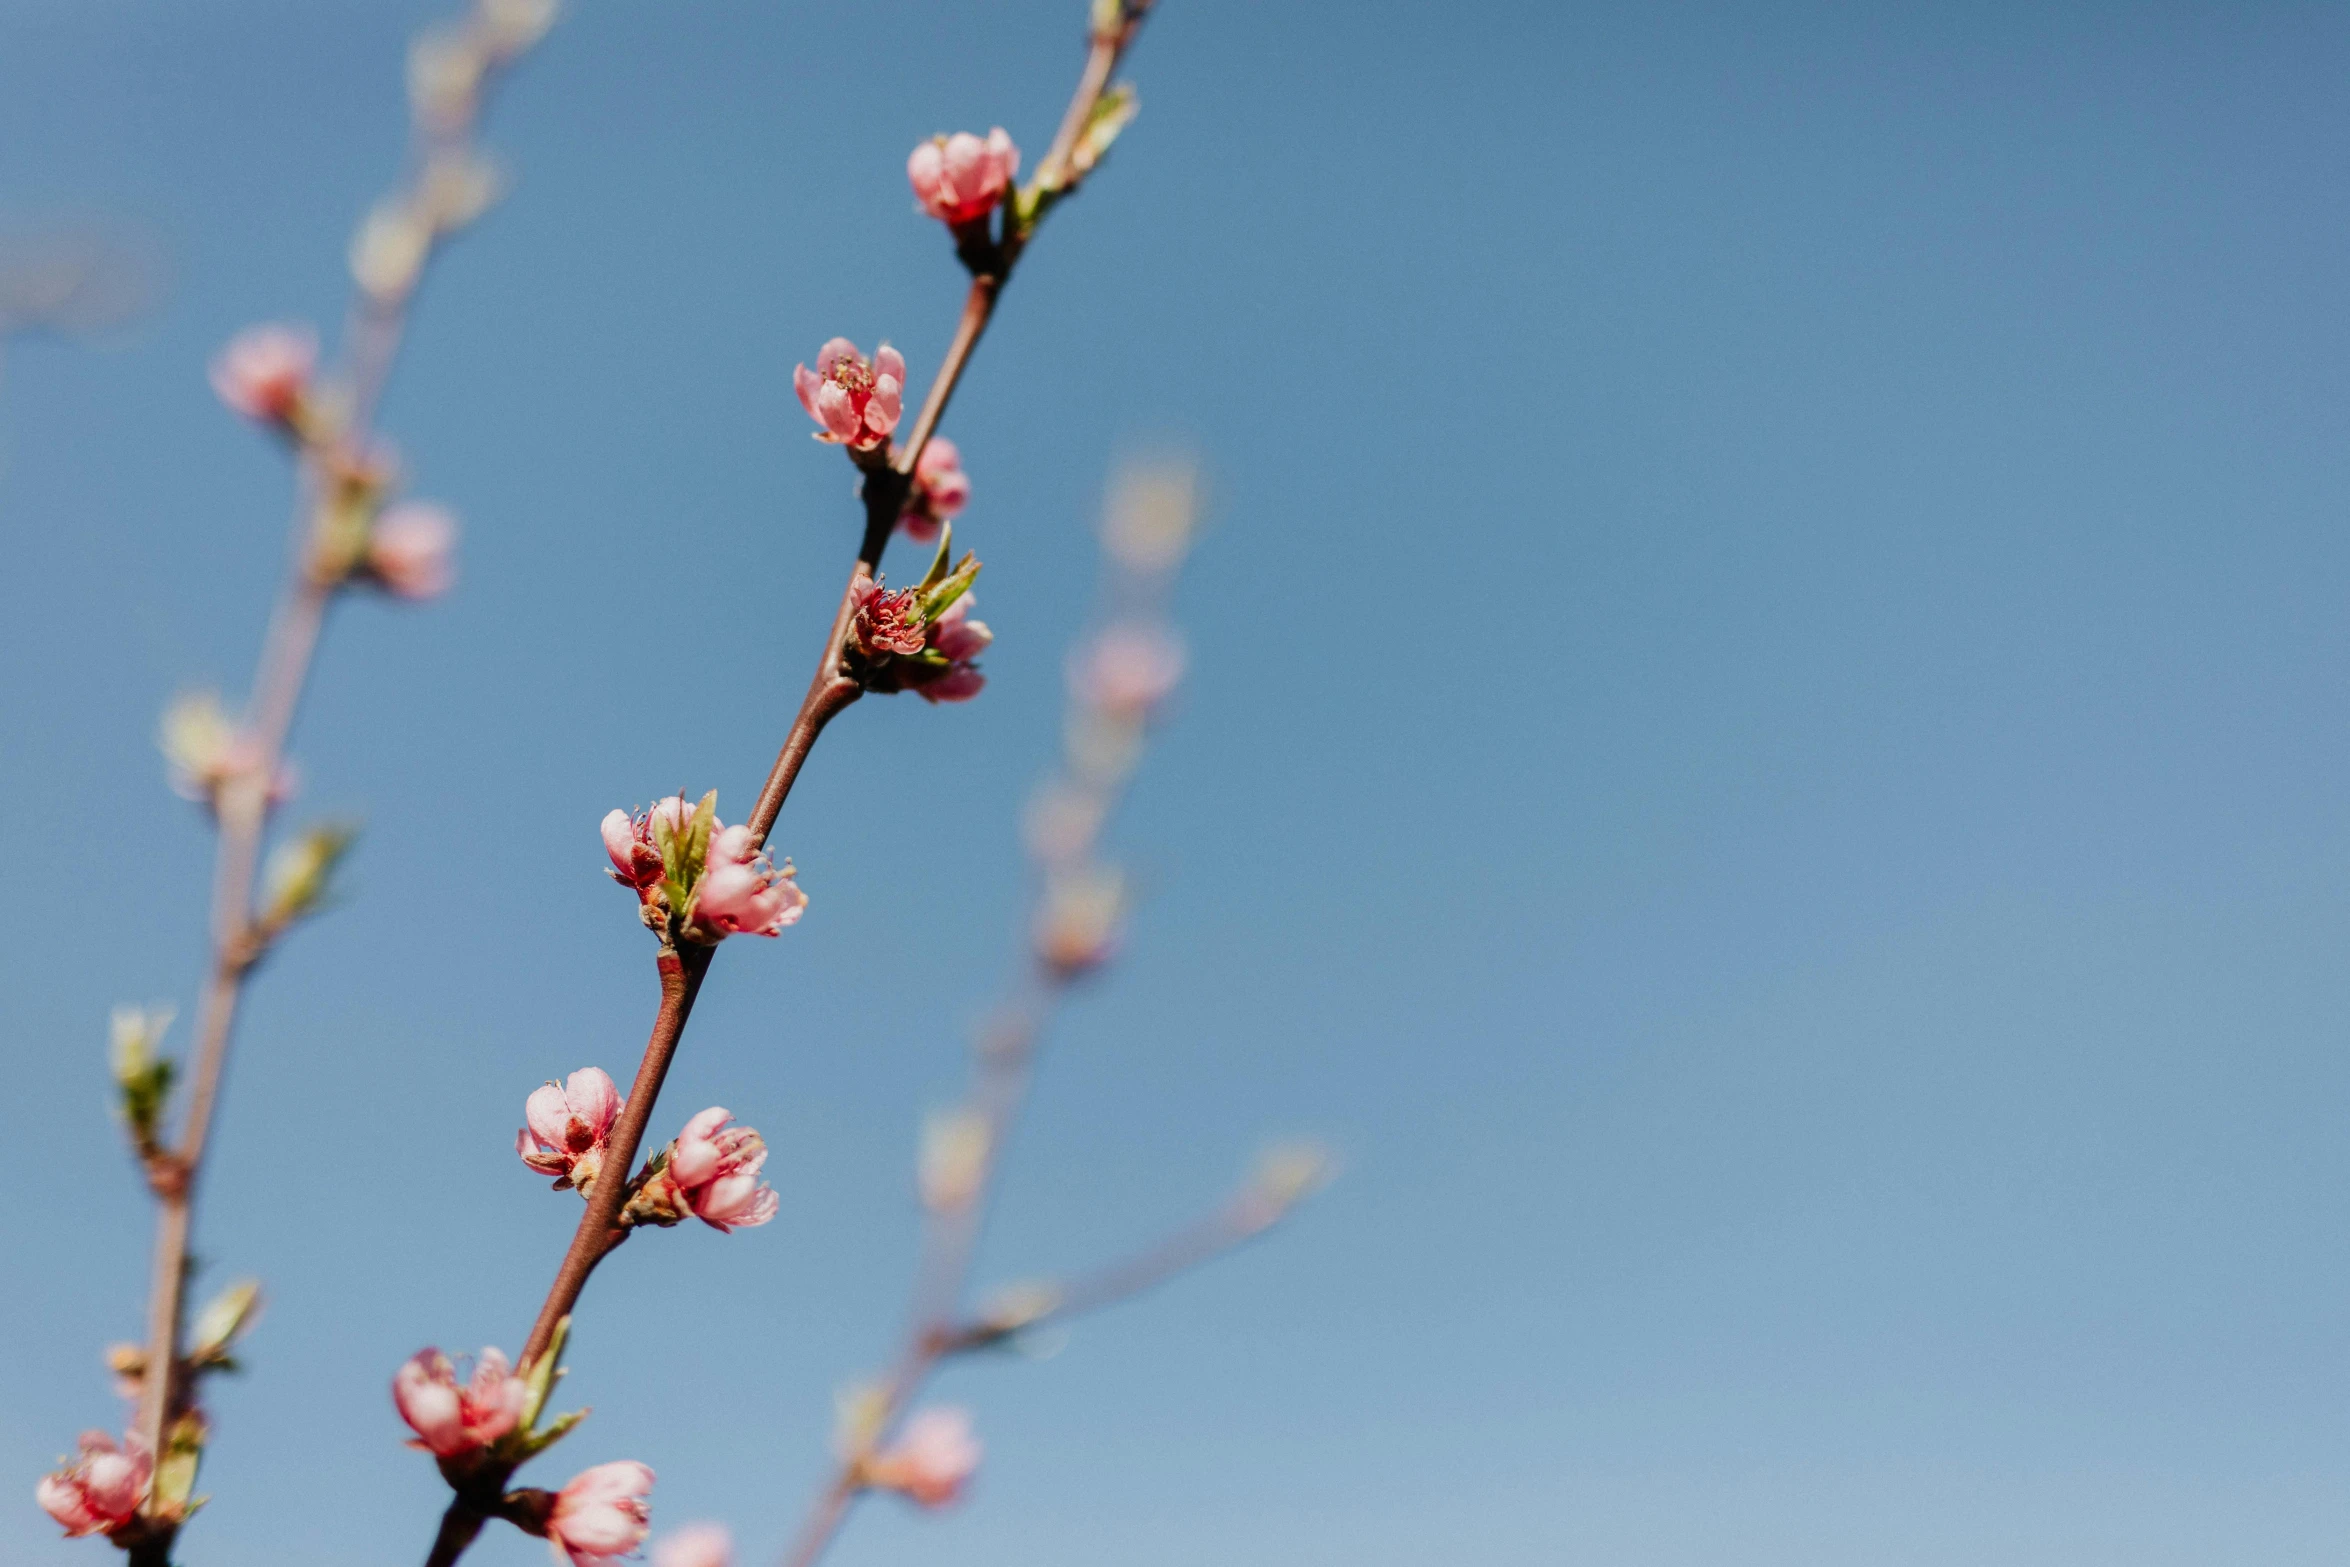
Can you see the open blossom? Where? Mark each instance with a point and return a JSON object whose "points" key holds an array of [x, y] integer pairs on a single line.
{"points": [[728, 885], [741, 892], [603, 1513], [932, 1460], [412, 550], [712, 1172], [695, 1545], [940, 490], [857, 400], [900, 652], [567, 1127], [264, 372], [959, 179], [1127, 670], [99, 1491], [449, 1417]]}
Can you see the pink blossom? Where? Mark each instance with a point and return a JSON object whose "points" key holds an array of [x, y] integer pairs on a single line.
{"points": [[1127, 670], [962, 640], [857, 400], [603, 1513], [741, 892], [631, 842], [695, 1545], [567, 1127], [888, 622], [264, 372], [412, 549], [716, 1170], [449, 1417], [959, 179], [99, 1491], [940, 490], [934, 1457]]}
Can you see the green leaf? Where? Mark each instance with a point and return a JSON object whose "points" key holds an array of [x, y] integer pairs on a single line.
{"points": [[938, 562], [537, 1442], [541, 1374], [223, 1322]]}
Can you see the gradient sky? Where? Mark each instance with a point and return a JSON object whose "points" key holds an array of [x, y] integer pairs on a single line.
{"points": [[1766, 761]]}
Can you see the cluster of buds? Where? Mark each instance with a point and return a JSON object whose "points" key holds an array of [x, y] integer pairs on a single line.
{"points": [[697, 879], [408, 549], [709, 1172], [856, 400], [565, 1126], [937, 492], [923, 638], [929, 1464]]}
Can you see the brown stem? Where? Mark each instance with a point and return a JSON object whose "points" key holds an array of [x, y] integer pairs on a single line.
{"points": [[978, 310], [459, 1527], [599, 1227], [823, 1522]]}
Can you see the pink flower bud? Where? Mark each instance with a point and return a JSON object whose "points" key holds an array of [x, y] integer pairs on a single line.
{"points": [[99, 1491], [856, 400], [716, 1170], [264, 372], [959, 179], [412, 550], [603, 1513], [1127, 670], [695, 1545], [451, 1418], [567, 1127], [940, 490], [934, 1457], [741, 893], [961, 639]]}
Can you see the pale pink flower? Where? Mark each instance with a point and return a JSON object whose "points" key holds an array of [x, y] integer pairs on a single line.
{"points": [[451, 1417], [567, 1127], [962, 640], [959, 179], [1127, 670], [857, 400], [932, 1460], [630, 841], [741, 892], [940, 490], [264, 372], [99, 1491], [603, 1513], [716, 1170], [695, 1545], [412, 549]]}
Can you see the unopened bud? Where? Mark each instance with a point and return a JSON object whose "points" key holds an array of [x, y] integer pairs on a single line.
{"points": [[444, 74], [222, 1322], [299, 873], [955, 1148], [128, 1362], [142, 1078], [1112, 114], [1077, 929], [387, 254]]}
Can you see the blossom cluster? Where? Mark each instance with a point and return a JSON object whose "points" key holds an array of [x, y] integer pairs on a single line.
{"points": [[696, 877]]}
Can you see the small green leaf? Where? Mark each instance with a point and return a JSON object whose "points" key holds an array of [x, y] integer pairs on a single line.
{"points": [[541, 1374], [537, 1442], [938, 562], [223, 1322]]}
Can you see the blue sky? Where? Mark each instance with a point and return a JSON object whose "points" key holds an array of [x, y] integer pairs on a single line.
{"points": [[1765, 760]]}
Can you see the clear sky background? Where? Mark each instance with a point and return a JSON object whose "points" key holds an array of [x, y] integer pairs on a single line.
{"points": [[1766, 761]]}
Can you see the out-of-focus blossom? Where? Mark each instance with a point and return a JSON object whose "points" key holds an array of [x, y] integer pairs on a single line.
{"points": [[1127, 671], [857, 400], [955, 1148], [711, 1172], [99, 1490], [932, 1460], [741, 892], [603, 1513], [939, 492], [264, 372], [412, 549], [695, 1545], [960, 179], [452, 1418], [205, 751], [567, 1127], [1077, 928]]}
